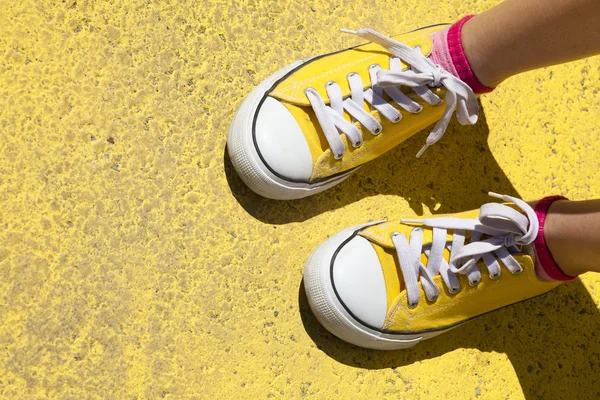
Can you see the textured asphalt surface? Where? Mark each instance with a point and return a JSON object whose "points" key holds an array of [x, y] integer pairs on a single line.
{"points": [[136, 265]]}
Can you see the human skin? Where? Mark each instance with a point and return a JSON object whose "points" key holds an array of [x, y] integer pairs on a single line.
{"points": [[522, 35], [572, 233]]}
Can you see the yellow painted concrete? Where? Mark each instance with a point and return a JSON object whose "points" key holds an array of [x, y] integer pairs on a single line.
{"points": [[134, 264]]}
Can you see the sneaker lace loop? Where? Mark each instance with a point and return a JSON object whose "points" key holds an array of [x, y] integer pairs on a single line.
{"points": [[493, 235], [422, 75]]}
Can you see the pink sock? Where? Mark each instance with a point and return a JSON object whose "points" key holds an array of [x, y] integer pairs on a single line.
{"points": [[449, 54], [546, 267]]}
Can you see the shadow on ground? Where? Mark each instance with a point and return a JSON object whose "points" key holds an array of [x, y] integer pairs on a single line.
{"points": [[552, 342], [455, 173]]}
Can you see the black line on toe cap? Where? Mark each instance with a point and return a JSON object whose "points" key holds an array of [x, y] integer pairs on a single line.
{"points": [[255, 117], [335, 254]]}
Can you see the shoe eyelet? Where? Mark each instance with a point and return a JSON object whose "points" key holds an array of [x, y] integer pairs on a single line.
{"points": [[351, 74], [419, 110], [397, 119], [413, 306], [329, 84], [518, 272], [474, 283], [454, 290], [494, 277], [374, 66], [357, 145], [309, 90], [377, 131], [338, 156], [433, 300]]}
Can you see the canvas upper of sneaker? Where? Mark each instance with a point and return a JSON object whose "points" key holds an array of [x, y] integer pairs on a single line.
{"points": [[369, 282], [288, 98]]}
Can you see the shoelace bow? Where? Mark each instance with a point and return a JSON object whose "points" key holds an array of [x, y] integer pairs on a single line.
{"points": [[422, 75], [503, 227]]}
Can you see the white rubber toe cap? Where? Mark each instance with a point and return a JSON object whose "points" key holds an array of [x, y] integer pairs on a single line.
{"points": [[281, 142], [358, 279]]}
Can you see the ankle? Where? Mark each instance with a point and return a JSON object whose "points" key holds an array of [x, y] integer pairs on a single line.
{"points": [[449, 53], [547, 267], [480, 59]]}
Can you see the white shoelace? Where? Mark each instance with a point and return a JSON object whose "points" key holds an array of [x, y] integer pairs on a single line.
{"points": [[422, 75], [504, 228]]}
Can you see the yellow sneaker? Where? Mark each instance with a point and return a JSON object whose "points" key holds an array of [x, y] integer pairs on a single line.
{"points": [[390, 285], [309, 125]]}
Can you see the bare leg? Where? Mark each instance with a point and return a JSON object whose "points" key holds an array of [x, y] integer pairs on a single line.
{"points": [[572, 233], [521, 35]]}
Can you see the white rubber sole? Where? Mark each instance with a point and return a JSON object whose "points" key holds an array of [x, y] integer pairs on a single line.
{"points": [[246, 160], [331, 313]]}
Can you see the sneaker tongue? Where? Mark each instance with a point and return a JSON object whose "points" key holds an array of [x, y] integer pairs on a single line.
{"points": [[382, 234], [336, 67]]}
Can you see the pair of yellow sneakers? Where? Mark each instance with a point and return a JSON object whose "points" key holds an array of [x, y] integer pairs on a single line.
{"points": [[383, 285]]}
